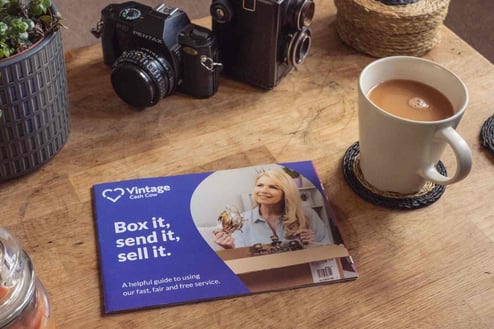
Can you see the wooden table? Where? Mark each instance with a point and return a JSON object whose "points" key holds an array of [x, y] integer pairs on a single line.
{"points": [[427, 268]]}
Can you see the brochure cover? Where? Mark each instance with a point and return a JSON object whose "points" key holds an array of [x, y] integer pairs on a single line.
{"points": [[193, 237]]}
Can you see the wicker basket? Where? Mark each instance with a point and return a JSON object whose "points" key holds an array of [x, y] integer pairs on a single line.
{"points": [[34, 118], [383, 30]]}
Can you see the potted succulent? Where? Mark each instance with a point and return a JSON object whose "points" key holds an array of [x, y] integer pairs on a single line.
{"points": [[34, 117]]}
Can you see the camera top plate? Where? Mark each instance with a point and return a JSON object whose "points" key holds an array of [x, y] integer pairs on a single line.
{"points": [[165, 9]]}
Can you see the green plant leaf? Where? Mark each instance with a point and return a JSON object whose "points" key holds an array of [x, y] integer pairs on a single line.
{"points": [[23, 22]]}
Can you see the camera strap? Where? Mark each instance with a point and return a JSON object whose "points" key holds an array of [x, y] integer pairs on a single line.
{"points": [[210, 64], [98, 29]]}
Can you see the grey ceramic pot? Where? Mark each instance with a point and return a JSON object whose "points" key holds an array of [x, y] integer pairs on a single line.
{"points": [[34, 118]]}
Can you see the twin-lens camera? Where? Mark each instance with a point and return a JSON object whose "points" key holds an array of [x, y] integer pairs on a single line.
{"points": [[260, 41]]}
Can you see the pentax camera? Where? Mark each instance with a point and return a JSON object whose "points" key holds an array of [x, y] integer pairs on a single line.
{"points": [[155, 51], [260, 41]]}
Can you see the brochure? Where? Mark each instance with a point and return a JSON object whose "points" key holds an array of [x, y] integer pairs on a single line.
{"points": [[200, 236]]}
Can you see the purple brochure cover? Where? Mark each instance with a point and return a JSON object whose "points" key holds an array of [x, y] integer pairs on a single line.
{"points": [[151, 250]]}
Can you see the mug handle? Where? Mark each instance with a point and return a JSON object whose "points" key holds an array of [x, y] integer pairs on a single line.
{"points": [[463, 158]]}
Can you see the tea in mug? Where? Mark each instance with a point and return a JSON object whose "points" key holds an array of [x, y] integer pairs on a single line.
{"points": [[411, 100]]}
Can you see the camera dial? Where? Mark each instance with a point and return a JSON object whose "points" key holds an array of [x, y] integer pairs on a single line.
{"points": [[141, 77], [221, 11], [130, 14]]}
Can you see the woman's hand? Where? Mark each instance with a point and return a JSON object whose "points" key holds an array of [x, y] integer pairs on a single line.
{"points": [[224, 239], [305, 235]]}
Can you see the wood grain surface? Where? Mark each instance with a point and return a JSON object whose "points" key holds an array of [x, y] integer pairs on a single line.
{"points": [[427, 268]]}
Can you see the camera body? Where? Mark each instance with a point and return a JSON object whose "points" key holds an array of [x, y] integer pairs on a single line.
{"points": [[155, 51], [260, 41]]}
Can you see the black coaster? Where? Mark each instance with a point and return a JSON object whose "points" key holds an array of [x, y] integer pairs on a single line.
{"points": [[487, 134], [397, 2], [429, 194]]}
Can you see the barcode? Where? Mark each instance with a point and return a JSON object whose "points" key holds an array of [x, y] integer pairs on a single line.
{"points": [[325, 270], [324, 273]]}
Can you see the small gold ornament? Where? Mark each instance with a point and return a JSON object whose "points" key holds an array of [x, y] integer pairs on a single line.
{"points": [[231, 220]]}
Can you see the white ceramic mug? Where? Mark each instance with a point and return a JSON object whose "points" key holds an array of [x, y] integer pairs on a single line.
{"points": [[397, 154]]}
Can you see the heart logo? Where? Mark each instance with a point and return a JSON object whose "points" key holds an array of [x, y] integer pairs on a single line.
{"points": [[113, 194]]}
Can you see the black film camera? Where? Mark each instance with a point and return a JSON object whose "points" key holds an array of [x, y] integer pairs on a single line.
{"points": [[260, 41], [154, 52]]}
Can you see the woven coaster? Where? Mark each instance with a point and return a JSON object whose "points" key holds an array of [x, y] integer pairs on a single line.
{"points": [[429, 194], [487, 134], [397, 2]]}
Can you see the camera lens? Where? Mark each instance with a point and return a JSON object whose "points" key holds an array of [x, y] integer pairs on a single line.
{"points": [[141, 77], [221, 11], [299, 47], [304, 13]]}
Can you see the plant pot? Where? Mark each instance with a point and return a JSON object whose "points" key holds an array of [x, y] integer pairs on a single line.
{"points": [[34, 118]]}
